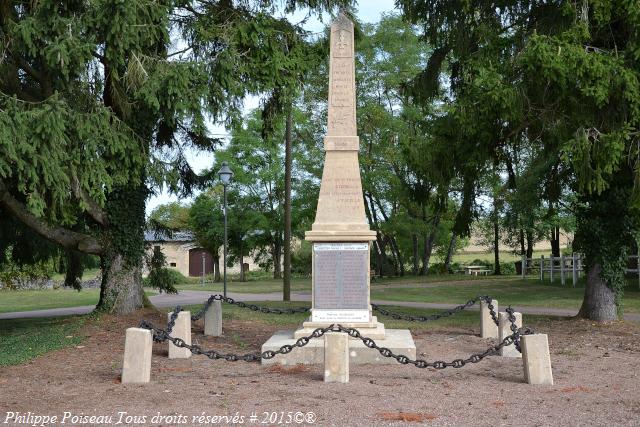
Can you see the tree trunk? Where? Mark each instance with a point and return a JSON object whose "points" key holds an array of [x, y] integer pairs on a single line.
{"points": [[121, 290], [529, 235], [216, 269], [496, 246], [416, 256], [555, 242], [242, 272], [599, 299], [74, 269], [286, 283], [276, 255], [428, 244], [379, 244], [398, 257], [450, 250]]}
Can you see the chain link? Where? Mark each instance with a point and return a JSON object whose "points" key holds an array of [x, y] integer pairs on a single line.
{"points": [[514, 328], [492, 311], [420, 363], [161, 335], [432, 317], [262, 309], [437, 316]]}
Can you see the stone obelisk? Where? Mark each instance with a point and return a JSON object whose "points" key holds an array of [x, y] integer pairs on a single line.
{"points": [[340, 234]]}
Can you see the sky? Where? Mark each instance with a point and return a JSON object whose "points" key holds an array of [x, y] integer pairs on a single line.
{"points": [[368, 11]]}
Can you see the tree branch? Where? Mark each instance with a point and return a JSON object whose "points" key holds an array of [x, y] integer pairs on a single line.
{"points": [[65, 238], [93, 209]]}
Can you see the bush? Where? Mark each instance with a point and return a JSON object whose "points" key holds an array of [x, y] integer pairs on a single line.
{"points": [[437, 268], [34, 276], [160, 277], [507, 268], [301, 260]]}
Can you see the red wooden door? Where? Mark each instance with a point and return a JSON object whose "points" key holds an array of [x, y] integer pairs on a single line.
{"points": [[196, 262]]}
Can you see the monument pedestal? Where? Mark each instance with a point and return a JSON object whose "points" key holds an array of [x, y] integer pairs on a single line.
{"points": [[372, 329], [398, 341]]}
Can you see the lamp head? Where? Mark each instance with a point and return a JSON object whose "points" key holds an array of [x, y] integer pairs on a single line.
{"points": [[225, 173]]}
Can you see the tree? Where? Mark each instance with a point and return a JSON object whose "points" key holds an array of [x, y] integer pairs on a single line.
{"points": [[257, 165], [160, 277], [206, 222], [561, 78], [173, 216], [95, 112]]}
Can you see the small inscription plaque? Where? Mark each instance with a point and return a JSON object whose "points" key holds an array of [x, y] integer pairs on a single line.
{"points": [[340, 274]]}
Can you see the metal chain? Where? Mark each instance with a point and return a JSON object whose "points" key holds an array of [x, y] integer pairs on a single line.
{"points": [[262, 309], [161, 335], [492, 309], [432, 317], [514, 328], [172, 321], [446, 313], [419, 363]]}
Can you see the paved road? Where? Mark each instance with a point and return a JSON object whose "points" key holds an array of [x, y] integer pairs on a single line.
{"points": [[198, 297]]}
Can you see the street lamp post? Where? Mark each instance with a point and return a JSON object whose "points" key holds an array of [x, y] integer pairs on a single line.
{"points": [[203, 268], [225, 174]]}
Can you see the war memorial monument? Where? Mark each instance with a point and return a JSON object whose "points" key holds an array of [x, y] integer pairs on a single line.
{"points": [[340, 235]]}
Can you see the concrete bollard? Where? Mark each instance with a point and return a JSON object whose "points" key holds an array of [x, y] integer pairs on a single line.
{"points": [[536, 360], [504, 330], [181, 329], [336, 357], [488, 328], [213, 319], [136, 366]]}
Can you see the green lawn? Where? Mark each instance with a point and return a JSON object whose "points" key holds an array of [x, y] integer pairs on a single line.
{"points": [[252, 287], [465, 319], [513, 291], [27, 300], [304, 284], [24, 339]]}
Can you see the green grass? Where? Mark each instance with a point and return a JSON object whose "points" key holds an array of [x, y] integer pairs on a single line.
{"points": [[251, 287], [24, 339], [304, 284], [513, 291], [465, 319], [27, 300]]}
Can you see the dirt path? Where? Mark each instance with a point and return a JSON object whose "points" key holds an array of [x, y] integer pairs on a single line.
{"points": [[595, 369]]}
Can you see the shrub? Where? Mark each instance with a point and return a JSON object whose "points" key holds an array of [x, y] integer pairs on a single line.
{"points": [[160, 277], [301, 260], [32, 276]]}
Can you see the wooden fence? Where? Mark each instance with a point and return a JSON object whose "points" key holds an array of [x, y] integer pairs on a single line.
{"points": [[564, 266]]}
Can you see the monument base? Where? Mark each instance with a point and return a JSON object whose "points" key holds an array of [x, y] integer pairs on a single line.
{"points": [[399, 341], [373, 329]]}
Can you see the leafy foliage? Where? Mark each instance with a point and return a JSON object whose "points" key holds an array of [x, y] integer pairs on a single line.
{"points": [[160, 277]]}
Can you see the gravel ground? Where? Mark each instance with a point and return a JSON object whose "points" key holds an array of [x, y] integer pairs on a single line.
{"points": [[595, 369]]}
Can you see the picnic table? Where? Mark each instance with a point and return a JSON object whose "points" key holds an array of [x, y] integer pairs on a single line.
{"points": [[475, 270]]}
